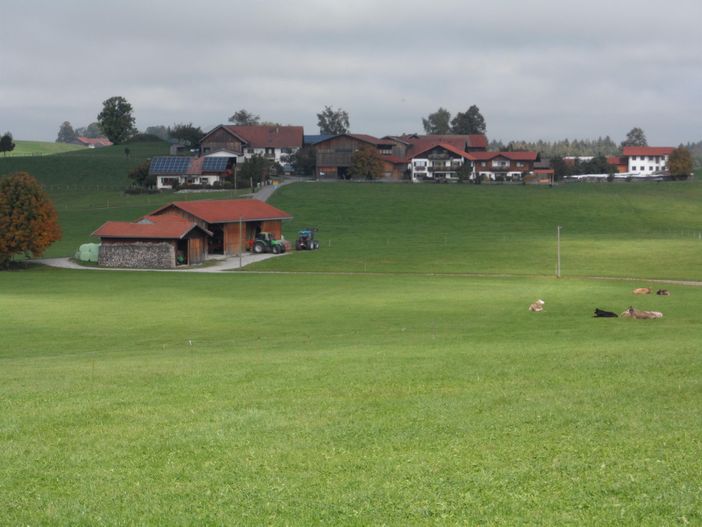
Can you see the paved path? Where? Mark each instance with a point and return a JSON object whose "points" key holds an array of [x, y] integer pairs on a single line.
{"points": [[216, 265], [267, 191]]}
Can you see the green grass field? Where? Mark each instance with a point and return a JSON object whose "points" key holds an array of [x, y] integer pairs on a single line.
{"points": [[41, 148], [156, 398], [642, 230], [370, 393]]}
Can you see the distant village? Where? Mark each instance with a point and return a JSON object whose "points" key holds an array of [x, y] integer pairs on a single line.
{"points": [[218, 159]]}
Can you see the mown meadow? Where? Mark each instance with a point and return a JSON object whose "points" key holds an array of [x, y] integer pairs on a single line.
{"points": [[395, 377]]}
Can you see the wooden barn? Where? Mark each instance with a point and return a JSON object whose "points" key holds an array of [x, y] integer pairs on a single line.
{"points": [[232, 221], [154, 242]]}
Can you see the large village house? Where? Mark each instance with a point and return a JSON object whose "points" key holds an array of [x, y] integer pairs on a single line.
{"points": [[274, 142]]}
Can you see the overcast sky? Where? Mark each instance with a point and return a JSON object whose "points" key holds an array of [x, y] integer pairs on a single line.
{"points": [[535, 68]]}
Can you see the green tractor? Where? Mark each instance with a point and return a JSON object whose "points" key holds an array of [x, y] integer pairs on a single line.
{"points": [[265, 242], [306, 241]]}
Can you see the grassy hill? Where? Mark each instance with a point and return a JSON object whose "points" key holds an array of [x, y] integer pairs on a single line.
{"points": [[646, 230], [87, 188], [40, 148]]}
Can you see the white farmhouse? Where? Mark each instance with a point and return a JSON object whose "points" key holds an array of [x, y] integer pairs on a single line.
{"points": [[647, 159]]}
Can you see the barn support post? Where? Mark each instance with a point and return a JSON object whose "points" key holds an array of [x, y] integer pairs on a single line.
{"points": [[241, 249]]}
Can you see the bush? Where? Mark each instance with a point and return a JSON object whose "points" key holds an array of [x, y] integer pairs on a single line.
{"points": [[135, 190], [143, 138]]}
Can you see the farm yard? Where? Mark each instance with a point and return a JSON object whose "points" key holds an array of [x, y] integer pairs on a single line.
{"points": [[393, 377]]}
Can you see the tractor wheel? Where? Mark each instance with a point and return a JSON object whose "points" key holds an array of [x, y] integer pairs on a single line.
{"points": [[276, 249], [315, 245], [258, 248]]}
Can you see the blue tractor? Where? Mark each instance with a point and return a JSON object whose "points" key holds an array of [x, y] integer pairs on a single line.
{"points": [[305, 240]]}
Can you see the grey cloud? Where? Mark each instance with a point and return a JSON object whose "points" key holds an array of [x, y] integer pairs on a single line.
{"points": [[542, 68]]}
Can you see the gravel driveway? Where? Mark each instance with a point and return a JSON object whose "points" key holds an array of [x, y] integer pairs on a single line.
{"points": [[215, 265]]}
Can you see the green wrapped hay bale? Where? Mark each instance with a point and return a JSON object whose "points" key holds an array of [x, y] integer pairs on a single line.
{"points": [[88, 252]]}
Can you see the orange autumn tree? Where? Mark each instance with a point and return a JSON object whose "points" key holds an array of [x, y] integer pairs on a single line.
{"points": [[28, 219]]}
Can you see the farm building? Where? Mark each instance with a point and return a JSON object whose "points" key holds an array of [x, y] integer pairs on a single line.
{"points": [[232, 222], [154, 242], [92, 142], [334, 155]]}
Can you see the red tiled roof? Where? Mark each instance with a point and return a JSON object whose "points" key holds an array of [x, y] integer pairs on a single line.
{"points": [[171, 229], [97, 141], [264, 136], [616, 160], [228, 210], [445, 146], [647, 150], [195, 167], [514, 156]]}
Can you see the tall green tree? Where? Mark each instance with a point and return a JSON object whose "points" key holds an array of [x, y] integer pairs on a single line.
{"points": [[635, 137], [680, 162], [437, 123], [305, 160], [257, 169], [244, 118], [116, 119], [159, 131], [366, 163], [66, 134], [28, 219], [333, 122], [186, 133], [469, 122], [141, 177], [6, 143]]}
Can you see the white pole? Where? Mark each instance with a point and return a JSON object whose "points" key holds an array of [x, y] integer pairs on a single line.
{"points": [[558, 251], [241, 250]]}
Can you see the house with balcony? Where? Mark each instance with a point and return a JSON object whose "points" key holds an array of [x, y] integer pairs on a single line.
{"points": [[274, 142], [441, 162], [503, 166]]}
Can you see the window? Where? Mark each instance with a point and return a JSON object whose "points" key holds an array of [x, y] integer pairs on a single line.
{"points": [[633, 168], [385, 151], [520, 163]]}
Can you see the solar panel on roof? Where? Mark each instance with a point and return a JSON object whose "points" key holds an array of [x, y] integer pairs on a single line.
{"points": [[215, 164], [169, 165]]}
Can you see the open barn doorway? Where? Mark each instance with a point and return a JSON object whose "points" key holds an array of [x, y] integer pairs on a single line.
{"points": [[215, 243]]}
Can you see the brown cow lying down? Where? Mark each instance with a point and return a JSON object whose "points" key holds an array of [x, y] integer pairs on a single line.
{"points": [[663, 292], [537, 307], [635, 313], [642, 291]]}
